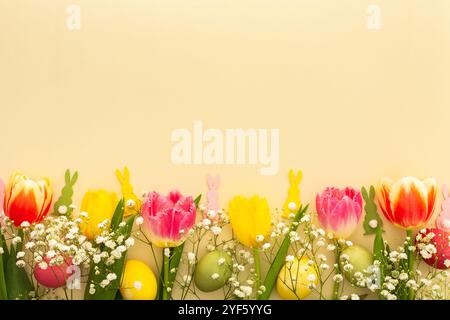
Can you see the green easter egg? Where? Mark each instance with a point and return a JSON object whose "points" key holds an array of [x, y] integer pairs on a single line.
{"points": [[213, 271], [360, 260]]}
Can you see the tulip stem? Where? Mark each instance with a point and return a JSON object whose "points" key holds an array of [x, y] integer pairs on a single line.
{"points": [[166, 261], [257, 258], [409, 234], [337, 284]]}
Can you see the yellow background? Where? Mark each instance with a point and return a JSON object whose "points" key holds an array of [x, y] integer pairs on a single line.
{"points": [[352, 105]]}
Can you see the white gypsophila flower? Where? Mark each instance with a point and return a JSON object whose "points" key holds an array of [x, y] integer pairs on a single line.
{"points": [[311, 277], [239, 293], [403, 276], [221, 261], [111, 276], [25, 224], [104, 283], [349, 243], [305, 218], [191, 258], [131, 203], [121, 248], [2, 251], [129, 242], [84, 214], [338, 278], [324, 266], [187, 279], [344, 257], [425, 282], [206, 222], [91, 291], [354, 297], [348, 267], [43, 265], [259, 238], [120, 239], [99, 239], [167, 252], [20, 255], [216, 230], [139, 220], [247, 290], [331, 247], [266, 246], [322, 257], [447, 263], [16, 240], [241, 268], [110, 244], [51, 254], [20, 264], [290, 258]]}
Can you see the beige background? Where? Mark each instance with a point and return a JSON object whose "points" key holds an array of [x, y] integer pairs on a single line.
{"points": [[352, 104]]}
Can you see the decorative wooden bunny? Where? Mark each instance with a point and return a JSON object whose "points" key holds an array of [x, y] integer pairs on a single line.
{"points": [[132, 202], [213, 196], [63, 205], [443, 220], [292, 203]]}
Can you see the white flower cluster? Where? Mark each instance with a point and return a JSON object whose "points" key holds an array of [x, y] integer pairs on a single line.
{"points": [[55, 241], [109, 247]]}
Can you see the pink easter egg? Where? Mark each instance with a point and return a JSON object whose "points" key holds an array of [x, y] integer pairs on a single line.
{"points": [[441, 243], [53, 276]]}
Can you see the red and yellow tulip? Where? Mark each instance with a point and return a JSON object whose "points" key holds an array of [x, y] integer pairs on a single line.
{"points": [[407, 203], [27, 200]]}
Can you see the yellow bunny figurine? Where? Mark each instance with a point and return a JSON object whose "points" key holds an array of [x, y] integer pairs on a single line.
{"points": [[292, 203], [132, 202]]}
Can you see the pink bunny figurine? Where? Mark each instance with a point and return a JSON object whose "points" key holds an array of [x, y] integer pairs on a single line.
{"points": [[443, 220], [212, 196]]}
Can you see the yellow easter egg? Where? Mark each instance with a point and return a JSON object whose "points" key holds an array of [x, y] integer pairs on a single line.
{"points": [[138, 281], [295, 278]]}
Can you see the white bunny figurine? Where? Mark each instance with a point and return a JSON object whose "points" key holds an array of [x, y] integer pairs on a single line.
{"points": [[213, 196]]}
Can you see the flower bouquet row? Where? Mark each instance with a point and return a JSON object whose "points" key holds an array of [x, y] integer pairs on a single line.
{"points": [[59, 250]]}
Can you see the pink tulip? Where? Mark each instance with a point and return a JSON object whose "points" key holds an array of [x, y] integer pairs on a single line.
{"points": [[168, 219], [339, 211]]}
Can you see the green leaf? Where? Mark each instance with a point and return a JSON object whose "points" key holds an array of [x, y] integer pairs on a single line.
{"points": [[4, 245], [371, 211], [118, 215], [3, 262], [110, 292], [279, 260], [65, 199], [197, 200], [175, 259], [18, 284]]}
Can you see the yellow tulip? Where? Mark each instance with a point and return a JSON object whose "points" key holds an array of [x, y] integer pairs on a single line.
{"points": [[99, 205], [294, 279], [138, 282], [250, 218]]}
